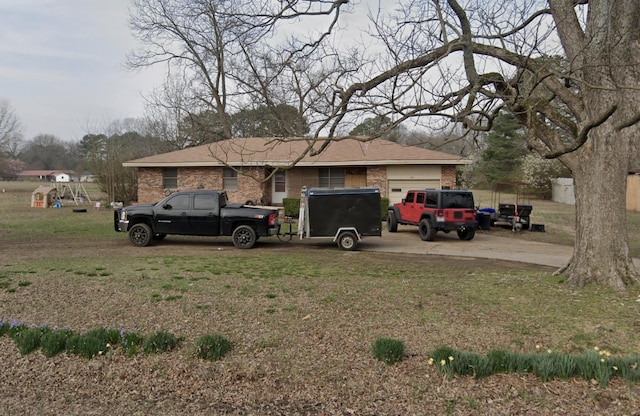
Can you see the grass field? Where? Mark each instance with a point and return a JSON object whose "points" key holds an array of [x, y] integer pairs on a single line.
{"points": [[302, 321]]}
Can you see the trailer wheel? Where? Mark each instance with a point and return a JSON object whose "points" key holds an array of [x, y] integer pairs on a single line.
{"points": [[140, 235], [392, 222], [466, 234], [244, 236], [348, 241], [426, 230]]}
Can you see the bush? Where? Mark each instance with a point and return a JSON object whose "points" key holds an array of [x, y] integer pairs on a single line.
{"points": [[388, 350], [161, 341], [212, 347], [28, 340], [291, 207], [384, 207], [54, 342], [86, 346]]}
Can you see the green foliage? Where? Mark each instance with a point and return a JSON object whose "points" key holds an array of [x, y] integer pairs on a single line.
{"points": [[86, 346], [388, 350], [384, 207], [212, 347], [291, 207], [505, 148], [28, 340], [53, 343], [161, 341], [591, 365], [130, 341]]}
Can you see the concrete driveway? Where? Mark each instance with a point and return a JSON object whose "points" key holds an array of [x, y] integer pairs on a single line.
{"points": [[484, 245]]}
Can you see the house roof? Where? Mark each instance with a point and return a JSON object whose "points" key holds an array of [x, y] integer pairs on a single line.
{"points": [[278, 152], [41, 173]]}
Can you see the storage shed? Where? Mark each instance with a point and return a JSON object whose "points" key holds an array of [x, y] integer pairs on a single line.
{"points": [[44, 196]]}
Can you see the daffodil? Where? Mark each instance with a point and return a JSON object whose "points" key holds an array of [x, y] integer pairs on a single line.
{"points": [[549, 351], [538, 346], [596, 348], [430, 361], [108, 345], [443, 363], [601, 360], [615, 368], [450, 358]]}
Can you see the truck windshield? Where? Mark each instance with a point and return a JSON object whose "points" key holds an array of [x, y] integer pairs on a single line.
{"points": [[457, 200]]}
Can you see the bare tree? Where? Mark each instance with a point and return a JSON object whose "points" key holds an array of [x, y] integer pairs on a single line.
{"points": [[438, 63], [10, 130]]}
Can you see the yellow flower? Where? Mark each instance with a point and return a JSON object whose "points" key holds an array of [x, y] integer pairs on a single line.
{"points": [[596, 348], [601, 360], [443, 363], [549, 351], [538, 346], [99, 352], [607, 353], [450, 358], [108, 345], [615, 368], [430, 361]]}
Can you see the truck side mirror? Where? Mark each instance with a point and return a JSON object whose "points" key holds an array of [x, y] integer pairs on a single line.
{"points": [[167, 206]]}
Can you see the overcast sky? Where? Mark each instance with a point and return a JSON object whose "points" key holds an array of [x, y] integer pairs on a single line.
{"points": [[62, 65]]}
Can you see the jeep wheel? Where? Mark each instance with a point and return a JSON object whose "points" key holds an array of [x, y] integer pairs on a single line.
{"points": [[244, 237], [140, 235], [466, 233], [348, 241], [426, 230], [392, 222]]}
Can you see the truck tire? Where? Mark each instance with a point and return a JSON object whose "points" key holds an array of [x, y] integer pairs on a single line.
{"points": [[392, 222], [426, 230], [244, 236], [140, 235], [348, 241], [466, 234]]}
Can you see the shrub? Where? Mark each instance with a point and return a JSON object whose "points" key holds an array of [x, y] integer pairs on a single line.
{"points": [[130, 342], [54, 342], [388, 350], [86, 346], [384, 207], [28, 340], [212, 347], [291, 207], [161, 341]]}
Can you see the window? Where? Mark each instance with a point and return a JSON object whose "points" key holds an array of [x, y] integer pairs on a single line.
{"points": [[204, 202], [409, 197], [331, 178], [420, 198], [229, 179], [432, 199], [178, 202], [170, 178]]}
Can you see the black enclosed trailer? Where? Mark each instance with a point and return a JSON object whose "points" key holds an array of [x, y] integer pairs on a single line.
{"points": [[344, 214]]}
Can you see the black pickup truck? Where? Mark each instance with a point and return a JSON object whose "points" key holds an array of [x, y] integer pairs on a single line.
{"points": [[201, 213]]}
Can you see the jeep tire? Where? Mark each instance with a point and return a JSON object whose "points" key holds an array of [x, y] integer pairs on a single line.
{"points": [[466, 234], [426, 230], [392, 222]]}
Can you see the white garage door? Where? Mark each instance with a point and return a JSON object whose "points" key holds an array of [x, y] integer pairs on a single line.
{"points": [[398, 187]]}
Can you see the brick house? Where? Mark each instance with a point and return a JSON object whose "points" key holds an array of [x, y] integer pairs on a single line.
{"points": [[246, 169]]}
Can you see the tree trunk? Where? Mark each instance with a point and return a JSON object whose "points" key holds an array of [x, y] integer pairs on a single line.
{"points": [[606, 60], [601, 250]]}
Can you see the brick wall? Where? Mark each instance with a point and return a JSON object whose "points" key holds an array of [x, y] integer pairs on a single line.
{"points": [[448, 177], [377, 176]]}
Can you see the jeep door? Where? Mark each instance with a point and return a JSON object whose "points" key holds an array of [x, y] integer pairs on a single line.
{"points": [[414, 206], [205, 215], [172, 216]]}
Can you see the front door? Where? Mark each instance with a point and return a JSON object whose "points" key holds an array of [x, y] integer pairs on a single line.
{"points": [[279, 186]]}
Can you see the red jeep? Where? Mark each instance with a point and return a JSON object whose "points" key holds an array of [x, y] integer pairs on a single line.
{"points": [[435, 210]]}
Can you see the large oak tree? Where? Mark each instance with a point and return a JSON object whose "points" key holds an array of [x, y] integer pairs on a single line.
{"points": [[568, 70]]}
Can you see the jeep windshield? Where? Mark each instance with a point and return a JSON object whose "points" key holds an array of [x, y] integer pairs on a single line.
{"points": [[457, 200]]}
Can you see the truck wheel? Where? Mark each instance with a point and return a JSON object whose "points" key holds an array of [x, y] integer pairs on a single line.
{"points": [[244, 236], [140, 235], [392, 222], [426, 230], [466, 233], [348, 241]]}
